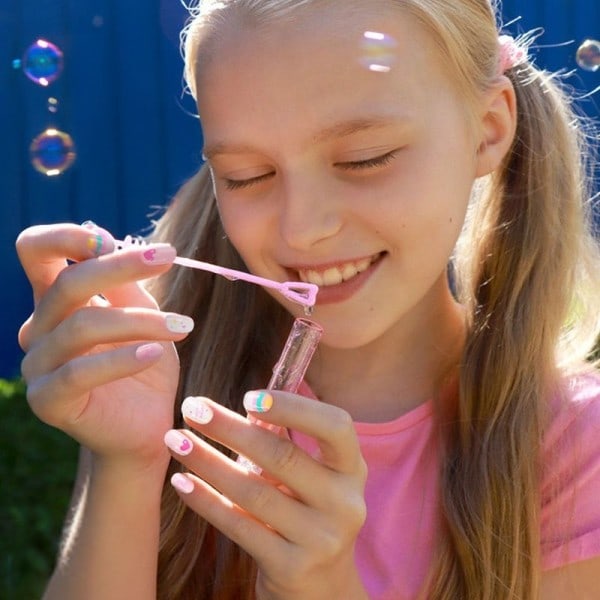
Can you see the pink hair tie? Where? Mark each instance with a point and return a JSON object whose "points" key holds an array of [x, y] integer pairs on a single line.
{"points": [[511, 54]]}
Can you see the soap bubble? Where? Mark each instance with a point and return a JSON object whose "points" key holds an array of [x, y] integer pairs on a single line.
{"points": [[378, 51], [52, 152], [52, 105], [588, 55], [42, 62]]}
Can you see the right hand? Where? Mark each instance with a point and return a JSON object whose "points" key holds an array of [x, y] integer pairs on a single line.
{"points": [[84, 370]]}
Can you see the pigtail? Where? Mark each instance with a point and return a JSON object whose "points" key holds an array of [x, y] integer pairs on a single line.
{"points": [[523, 266]]}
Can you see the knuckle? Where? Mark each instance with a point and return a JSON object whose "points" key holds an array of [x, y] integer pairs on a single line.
{"points": [[259, 497], [63, 284], [24, 335], [357, 514], [27, 365], [24, 240], [284, 456], [362, 470], [340, 423], [69, 377], [35, 394], [329, 543], [79, 323]]}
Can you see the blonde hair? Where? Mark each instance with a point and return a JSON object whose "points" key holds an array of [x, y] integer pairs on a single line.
{"points": [[526, 269]]}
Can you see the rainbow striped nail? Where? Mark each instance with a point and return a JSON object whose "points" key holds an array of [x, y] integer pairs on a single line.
{"points": [[95, 243], [259, 402]]}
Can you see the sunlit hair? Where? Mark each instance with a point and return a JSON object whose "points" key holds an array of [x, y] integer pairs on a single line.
{"points": [[526, 268]]}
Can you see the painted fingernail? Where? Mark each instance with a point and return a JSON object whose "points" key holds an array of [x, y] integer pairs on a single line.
{"points": [[95, 243], [179, 323], [182, 483], [160, 254], [99, 242], [196, 409], [178, 442], [258, 401], [148, 352]]}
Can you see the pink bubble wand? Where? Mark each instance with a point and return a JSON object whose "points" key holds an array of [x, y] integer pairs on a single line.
{"points": [[299, 292]]}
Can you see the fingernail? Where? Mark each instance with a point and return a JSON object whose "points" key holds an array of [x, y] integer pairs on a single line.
{"points": [[179, 323], [159, 254], [258, 401], [179, 443], [95, 244], [182, 483], [196, 409], [100, 241], [148, 352]]}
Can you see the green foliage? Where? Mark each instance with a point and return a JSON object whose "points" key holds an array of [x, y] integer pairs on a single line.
{"points": [[37, 468]]}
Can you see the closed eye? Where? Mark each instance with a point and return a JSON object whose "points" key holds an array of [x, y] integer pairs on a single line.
{"points": [[369, 163], [238, 184]]}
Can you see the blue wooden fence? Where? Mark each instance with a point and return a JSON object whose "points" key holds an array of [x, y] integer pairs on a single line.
{"points": [[120, 98]]}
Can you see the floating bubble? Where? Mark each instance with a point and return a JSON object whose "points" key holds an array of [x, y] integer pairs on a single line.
{"points": [[588, 55], [42, 62], [52, 105], [378, 51], [52, 152]]}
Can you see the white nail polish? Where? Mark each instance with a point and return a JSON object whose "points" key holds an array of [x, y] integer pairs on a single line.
{"points": [[179, 323], [182, 483], [197, 410]]}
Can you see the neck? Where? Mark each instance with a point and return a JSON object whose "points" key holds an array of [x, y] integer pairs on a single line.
{"points": [[398, 371]]}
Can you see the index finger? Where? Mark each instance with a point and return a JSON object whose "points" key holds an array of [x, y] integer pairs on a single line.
{"points": [[45, 249]]}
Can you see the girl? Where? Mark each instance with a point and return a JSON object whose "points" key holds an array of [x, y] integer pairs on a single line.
{"points": [[453, 452]]}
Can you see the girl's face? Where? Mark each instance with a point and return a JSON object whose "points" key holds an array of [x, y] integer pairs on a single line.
{"points": [[329, 171]]}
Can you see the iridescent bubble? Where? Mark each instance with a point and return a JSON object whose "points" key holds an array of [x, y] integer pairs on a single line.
{"points": [[43, 62], [588, 55], [52, 152], [378, 51], [52, 105]]}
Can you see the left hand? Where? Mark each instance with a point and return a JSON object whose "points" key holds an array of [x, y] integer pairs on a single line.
{"points": [[299, 523]]}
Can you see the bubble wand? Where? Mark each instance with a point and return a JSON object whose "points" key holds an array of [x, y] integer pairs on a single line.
{"points": [[299, 292]]}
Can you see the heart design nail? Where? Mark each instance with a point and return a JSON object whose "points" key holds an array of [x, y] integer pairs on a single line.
{"points": [[185, 446], [149, 254]]}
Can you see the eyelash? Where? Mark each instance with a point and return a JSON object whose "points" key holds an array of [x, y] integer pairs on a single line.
{"points": [[238, 184], [377, 161]]}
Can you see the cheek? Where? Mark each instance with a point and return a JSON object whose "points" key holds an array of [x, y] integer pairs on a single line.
{"points": [[245, 226]]}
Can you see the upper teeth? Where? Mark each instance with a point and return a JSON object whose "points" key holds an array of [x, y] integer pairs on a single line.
{"points": [[335, 275]]}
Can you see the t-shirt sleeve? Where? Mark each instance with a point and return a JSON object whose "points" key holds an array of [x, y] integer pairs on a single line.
{"points": [[570, 491]]}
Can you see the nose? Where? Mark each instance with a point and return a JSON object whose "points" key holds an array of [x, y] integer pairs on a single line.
{"points": [[309, 213]]}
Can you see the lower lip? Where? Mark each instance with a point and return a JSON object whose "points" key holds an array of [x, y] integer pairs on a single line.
{"points": [[340, 292]]}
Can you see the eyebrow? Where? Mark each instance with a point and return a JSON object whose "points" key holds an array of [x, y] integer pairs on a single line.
{"points": [[335, 131], [352, 126]]}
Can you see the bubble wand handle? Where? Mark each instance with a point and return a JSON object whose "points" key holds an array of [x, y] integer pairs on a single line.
{"points": [[297, 353], [289, 370]]}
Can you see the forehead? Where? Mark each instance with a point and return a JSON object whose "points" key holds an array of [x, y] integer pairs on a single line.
{"points": [[313, 64]]}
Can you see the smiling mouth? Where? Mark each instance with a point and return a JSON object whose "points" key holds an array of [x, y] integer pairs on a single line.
{"points": [[339, 273]]}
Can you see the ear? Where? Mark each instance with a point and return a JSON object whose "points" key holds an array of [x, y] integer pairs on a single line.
{"points": [[497, 127]]}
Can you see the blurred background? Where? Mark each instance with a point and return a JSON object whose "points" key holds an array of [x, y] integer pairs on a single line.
{"points": [[94, 125]]}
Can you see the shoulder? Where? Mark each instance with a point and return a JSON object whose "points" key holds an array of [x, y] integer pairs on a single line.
{"points": [[574, 411], [570, 486]]}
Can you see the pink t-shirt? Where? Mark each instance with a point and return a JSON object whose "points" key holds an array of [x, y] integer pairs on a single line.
{"points": [[395, 546]]}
